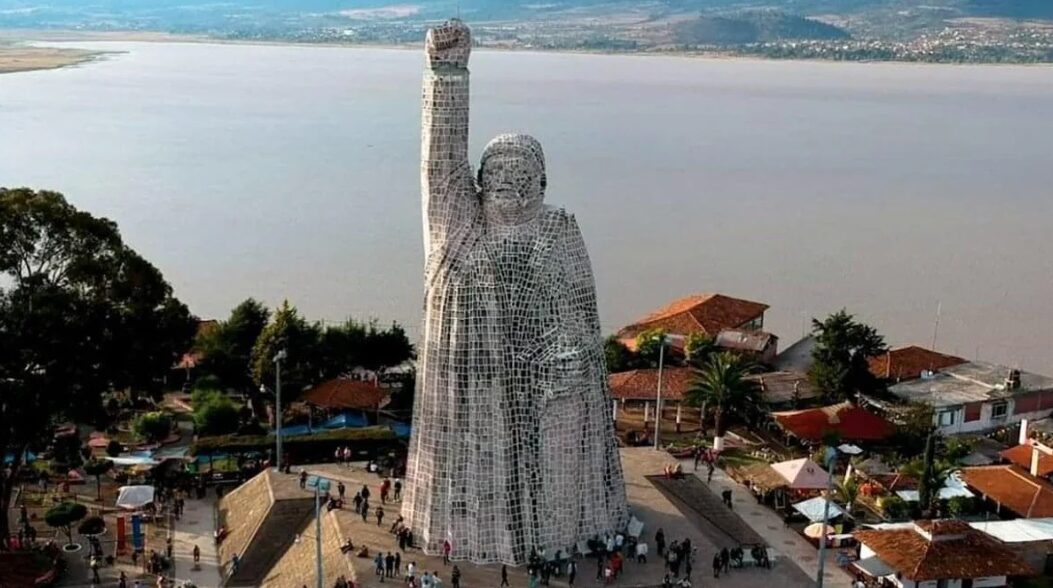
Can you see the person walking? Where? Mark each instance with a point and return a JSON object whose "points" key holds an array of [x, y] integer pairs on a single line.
{"points": [[698, 457], [340, 488], [303, 479], [389, 565], [447, 547], [197, 557], [95, 570], [122, 581], [659, 542], [572, 572], [365, 510], [365, 492], [504, 576], [717, 564], [398, 563], [380, 515], [378, 565], [709, 471], [725, 559], [398, 489], [641, 552], [455, 577], [357, 500]]}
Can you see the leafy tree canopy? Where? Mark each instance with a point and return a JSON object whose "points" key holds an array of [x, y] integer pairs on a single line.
{"points": [[214, 413], [617, 356], [843, 346], [64, 515], [227, 349], [154, 426], [81, 313], [649, 346]]}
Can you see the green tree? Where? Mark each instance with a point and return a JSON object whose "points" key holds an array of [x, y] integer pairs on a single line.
{"points": [[649, 345], [617, 356], [299, 339], [848, 491], [64, 515], [214, 413], [227, 349], [843, 346], [721, 383], [98, 467], [153, 426], [93, 525], [80, 314], [698, 347], [114, 448]]}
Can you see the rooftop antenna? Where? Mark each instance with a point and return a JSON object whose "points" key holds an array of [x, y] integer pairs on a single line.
{"points": [[936, 327]]}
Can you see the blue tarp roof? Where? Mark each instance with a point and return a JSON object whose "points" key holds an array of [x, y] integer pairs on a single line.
{"points": [[28, 457], [347, 419], [296, 430], [402, 430]]}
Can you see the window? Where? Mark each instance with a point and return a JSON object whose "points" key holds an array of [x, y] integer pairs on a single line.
{"points": [[945, 418], [999, 410]]}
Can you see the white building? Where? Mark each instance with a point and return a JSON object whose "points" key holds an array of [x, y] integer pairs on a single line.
{"points": [[978, 396]]}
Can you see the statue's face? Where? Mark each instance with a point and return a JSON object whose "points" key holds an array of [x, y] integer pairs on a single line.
{"points": [[512, 190]]}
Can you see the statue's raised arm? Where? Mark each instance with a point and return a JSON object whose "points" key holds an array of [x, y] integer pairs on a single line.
{"points": [[447, 188]]}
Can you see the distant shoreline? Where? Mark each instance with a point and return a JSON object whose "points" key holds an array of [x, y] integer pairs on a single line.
{"points": [[62, 36], [20, 58]]}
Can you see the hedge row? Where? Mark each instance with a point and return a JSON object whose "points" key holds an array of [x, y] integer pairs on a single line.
{"points": [[227, 443]]}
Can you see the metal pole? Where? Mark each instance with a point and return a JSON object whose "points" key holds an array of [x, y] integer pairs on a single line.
{"points": [[318, 533], [831, 456], [278, 406], [658, 404]]}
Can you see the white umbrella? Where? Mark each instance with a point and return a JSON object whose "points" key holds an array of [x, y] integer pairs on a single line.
{"points": [[815, 530]]}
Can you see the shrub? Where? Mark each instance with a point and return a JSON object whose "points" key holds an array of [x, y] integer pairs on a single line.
{"points": [[64, 515], [153, 426], [214, 414], [114, 448], [960, 506], [894, 507], [93, 525]]}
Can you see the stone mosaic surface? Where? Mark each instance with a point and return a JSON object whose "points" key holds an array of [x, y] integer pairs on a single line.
{"points": [[513, 446]]}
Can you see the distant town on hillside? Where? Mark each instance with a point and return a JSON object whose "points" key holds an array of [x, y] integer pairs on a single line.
{"points": [[955, 31]]}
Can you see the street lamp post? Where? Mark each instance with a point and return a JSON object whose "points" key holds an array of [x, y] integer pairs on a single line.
{"points": [[278, 358], [829, 461], [320, 485]]}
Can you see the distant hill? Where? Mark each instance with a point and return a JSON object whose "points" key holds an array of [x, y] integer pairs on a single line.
{"points": [[1038, 9], [755, 26]]}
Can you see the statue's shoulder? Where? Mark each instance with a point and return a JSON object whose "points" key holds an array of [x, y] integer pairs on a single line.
{"points": [[558, 216]]}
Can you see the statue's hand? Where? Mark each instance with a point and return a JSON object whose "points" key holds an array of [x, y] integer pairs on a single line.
{"points": [[449, 44]]}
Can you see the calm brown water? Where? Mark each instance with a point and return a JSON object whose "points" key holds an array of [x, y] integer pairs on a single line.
{"points": [[292, 172]]}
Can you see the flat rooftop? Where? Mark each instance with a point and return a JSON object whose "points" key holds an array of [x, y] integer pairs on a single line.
{"points": [[974, 381]]}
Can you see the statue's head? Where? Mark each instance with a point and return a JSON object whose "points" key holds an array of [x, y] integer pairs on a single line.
{"points": [[512, 179]]}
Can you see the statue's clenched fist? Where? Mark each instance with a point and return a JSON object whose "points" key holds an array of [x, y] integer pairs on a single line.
{"points": [[449, 44]]}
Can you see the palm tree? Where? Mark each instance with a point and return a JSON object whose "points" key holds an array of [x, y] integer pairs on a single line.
{"points": [[721, 382], [848, 491]]}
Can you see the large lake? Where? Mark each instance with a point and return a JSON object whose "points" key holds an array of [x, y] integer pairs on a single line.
{"points": [[292, 172]]}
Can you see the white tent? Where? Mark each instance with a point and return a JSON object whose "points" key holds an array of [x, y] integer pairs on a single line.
{"points": [[953, 487], [802, 474], [813, 509], [135, 497]]}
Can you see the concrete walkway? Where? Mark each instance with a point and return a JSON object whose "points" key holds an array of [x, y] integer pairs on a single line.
{"points": [[196, 527], [769, 525]]}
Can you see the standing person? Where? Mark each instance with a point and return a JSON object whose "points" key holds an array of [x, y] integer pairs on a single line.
{"points": [[455, 577], [385, 488], [389, 565], [599, 566], [365, 510], [447, 547], [303, 479], [717, 564], [338, 455], [95, 570], [380, 515], [378, 564], [358, 502], [365, 492], [572, 572], [398, 563], [398, 489], [687, 567], [641, 552], [504, 576], [425, 580], [347, 456], [197, 556], [659, 542], [340, 489], [698, 457], [122, 581], [709, 471]]}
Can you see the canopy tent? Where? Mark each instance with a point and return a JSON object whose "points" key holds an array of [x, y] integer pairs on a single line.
{"points": [[347, 419], [953, 487], [802, 474], [761, 476], [131, 460], [813, 509], [849, 449], [135, 497], [817, 530]]}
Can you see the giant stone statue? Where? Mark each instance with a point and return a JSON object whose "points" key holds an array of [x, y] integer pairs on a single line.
{"points": [[513, 445]]}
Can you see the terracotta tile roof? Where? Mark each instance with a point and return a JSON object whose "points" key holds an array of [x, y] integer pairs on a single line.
{"points": [[952, 550], [1021, 456], [702, 313], [1012, 487], [343, 393], [643, 384], [851, 422], [907, 363]]}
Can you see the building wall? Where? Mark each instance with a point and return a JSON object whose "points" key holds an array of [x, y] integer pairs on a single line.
{"points": [[987, 421]]}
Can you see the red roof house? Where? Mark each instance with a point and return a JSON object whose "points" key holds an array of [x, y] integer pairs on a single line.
{"points": [[1012, 488], [706, 314], [345, 393], [907, 363], [643, 384], [1022, 456], [851, 422]]}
